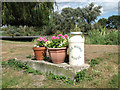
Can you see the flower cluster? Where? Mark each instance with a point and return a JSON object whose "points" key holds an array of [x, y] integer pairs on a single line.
{"points": [[58, 41], [41, 42]]}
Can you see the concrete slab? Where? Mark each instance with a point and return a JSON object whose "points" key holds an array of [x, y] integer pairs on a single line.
{"points": [[63, 69]]}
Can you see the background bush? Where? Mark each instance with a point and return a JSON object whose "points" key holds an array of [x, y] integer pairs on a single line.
{"points": [[22, 31], [97, 36], [103, 36]]}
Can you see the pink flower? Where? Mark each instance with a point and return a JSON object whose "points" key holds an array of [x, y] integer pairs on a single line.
{"points": [[57, 37], [38, 39], [41, 38], [53, 37], [45, 40], [66, 36], [60, 35]]}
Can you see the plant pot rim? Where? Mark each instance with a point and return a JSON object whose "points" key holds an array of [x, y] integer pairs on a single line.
{"points": [[58, 48], [36, 48]]}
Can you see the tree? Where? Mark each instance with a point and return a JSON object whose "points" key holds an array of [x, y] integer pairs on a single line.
{"points": [[103, 22], [114, 21], [27, 13], [67, 19], [89, 14]]}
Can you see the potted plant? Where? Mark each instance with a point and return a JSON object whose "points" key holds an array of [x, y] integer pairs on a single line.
{"points": [[40, 49], [57, 48]]}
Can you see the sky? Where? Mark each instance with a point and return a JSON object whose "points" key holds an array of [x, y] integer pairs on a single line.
{"points": [[109, 7]]}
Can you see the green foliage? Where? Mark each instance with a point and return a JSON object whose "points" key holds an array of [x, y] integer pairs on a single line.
{"points": [[103, 22], [114, 81], [27, 13], [112, 38], [89, 14], [4, 64], [11, 62], [69, 17], [114, 22], [59, 77], [18, 65], [29, 56], [102, 36], [80, 76], [95, 61], [42, 15], [21, 31]]}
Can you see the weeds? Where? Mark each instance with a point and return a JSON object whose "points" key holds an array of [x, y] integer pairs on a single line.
{"points": [[95, 61], [17, 65], [29, 56], [114, 81], [81, 76], [59, 77]]}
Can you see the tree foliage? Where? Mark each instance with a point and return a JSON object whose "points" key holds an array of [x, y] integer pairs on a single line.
{"points": [[103, 22], [42, 15], [90, 14], [69, 17], [114, 22], [27, 13]]}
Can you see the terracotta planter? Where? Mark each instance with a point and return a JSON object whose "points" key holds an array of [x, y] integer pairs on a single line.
{"points": [[57, 55], [40, 52]]}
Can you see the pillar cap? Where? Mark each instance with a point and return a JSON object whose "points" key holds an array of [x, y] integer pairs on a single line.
{"points": [[76, 33]]}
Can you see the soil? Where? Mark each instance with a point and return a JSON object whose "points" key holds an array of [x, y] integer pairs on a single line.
{"points": [[20, 50]]}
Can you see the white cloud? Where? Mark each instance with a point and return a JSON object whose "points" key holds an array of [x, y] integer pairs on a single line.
{"points": [[65, 6], [87, 0], [103, 0], [102, 12], [108, 8]]}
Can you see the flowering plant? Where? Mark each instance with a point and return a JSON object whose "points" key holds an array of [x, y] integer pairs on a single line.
{"points": [[58, 41], [41, 42]]}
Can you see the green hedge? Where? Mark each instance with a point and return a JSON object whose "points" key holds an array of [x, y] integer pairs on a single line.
{"points": [[105, 37], [22, 31], [97, 36]]}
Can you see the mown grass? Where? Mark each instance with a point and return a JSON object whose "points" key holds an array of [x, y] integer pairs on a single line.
{"points": [[106, 71], [14, 79], [113, 82]]}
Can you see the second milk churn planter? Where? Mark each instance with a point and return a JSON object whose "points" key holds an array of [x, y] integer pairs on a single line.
{"points": [[76, 49]]}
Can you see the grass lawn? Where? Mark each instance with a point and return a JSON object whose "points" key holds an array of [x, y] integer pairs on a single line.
{"points": [[103, 75]]}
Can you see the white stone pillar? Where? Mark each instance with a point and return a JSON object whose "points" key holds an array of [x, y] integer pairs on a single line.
{"points": [[76, 49]]}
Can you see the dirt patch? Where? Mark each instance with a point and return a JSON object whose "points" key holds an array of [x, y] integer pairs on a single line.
{"points": [[93, 51], [20, 50]]}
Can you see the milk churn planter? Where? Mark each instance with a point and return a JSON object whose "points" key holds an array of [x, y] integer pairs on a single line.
{"points": [[57, 48], [40, 49], [76, 49]]}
